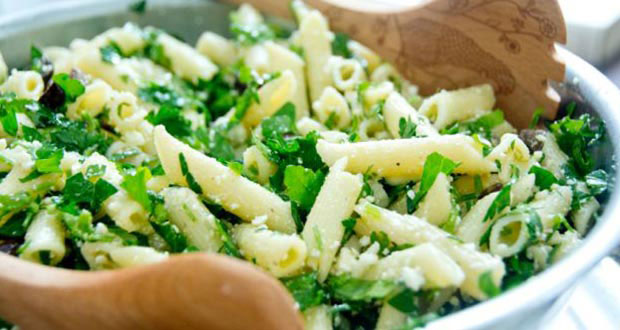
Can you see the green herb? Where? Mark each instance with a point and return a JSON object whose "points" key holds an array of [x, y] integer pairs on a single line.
{"points": [[236, 167], [303, 185], [483, 125], [347, 288], [123, 155], [544, 178], [216, 142], [176, 240], [361, 89], [349, 225], [406, 128], [8, 119], [128, 239], [111, 53], [501, 201], [47, 161], [518, 270], [382, 239], [135, 185], [306, 290], [80, 192], [597, 181], [576, 136], [249, 34], [340, 45], [154, 50], [404, 301], [221, 94], [17, 225], [172, 119], [36, 59], [228, 244], [76, 136], [486, 284], [536, 117], [31, 134], [282, 122], [73, 88], [191, 182], [80, 227], [435, 163]]}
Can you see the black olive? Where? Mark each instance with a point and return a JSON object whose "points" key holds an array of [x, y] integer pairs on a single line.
{"points": [[10, 245], [529, 137], [53, 97]]}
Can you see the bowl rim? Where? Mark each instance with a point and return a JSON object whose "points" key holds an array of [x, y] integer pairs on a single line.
{"points": [[539, 289]]}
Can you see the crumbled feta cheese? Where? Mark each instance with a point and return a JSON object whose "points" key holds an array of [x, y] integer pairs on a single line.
{"points": [[258, 220], [412, 277]]}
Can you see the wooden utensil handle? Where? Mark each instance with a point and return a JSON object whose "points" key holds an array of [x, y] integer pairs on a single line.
{"points": [[185, 292]]}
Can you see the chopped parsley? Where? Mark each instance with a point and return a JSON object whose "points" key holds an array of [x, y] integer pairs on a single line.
{"points": [[435, 163], [486, 284], [340, 45], [135, 185], [191, 182], [544, 178], [306, 290], [73, 88], [172, 118], [576, 136], [501, 201], [406, 128], [303, 185], [111, 53]]}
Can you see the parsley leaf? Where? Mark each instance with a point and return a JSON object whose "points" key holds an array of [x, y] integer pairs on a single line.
{"points": [[250, 34], [80, 227], [404, 301], [303, 185], [406, 128], [14, 202], [349, 225], [135, 185], [306, 290], [81, 192], [486, 284], [191, 182], [536, 117], [281, 122], [597, 181], [544, 178], [111, 53], [73, 88], [435, 163], [348, 288], [576, 136], [340, 45], [172, 119], [228, 244], [8, 119], [501, 201], [482, 125]]}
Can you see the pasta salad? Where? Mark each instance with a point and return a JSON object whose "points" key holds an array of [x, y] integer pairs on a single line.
{"points": [[299, 151]]}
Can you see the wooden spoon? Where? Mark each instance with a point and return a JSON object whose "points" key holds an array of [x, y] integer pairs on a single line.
{"points": [[193, 291], [458, 43]]}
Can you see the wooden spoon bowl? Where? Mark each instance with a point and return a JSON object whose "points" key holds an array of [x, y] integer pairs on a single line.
{"points": [[459, 43], [192, 291]]}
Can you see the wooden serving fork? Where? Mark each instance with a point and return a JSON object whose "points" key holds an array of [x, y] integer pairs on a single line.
{"points": [[459, 43]]}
